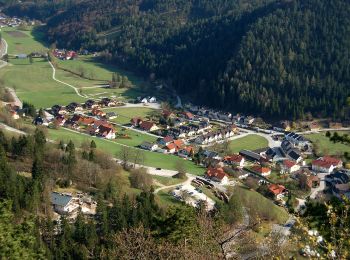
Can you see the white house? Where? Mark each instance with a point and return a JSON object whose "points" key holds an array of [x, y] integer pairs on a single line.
{"points": [[218, 175], [149, 146], [289, 167], [63, 203], [326, 164]]}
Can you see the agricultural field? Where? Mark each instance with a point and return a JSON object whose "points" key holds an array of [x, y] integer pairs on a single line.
{"points": [[126, 113], [151, 159], [250, 142], [324, 146]]}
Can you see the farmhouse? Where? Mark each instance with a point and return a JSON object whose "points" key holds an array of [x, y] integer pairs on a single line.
{"points": [[63, 203], [136, 121], [148, 126], [326, 164], [217, 174], [106, 132], [250, 156], [264, 171], [165, 140], [289, 167], [278, 191], [149, 146], [235, 159]]}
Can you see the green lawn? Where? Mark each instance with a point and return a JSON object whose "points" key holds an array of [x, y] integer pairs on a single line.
{"points": [[22, 41], [164, 199], [167, 181], [125, 114], [250, 142], [327, 147], [33, 83], [151, 159], [132, 138]]}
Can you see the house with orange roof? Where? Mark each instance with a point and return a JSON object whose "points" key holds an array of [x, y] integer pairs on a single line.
{"points": [[171, 148], [217, 174], [264, 171], [289, 167], [326, 164], [106, 132], [278, 191], [98, 112], [235, 159], [179, 143]]}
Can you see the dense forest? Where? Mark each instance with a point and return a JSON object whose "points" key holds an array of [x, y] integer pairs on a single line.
{"points": [[272, 58]]}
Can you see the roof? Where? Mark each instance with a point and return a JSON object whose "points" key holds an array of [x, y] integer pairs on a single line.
{"points": [[234, 158], [289, 164], [168, 139], [103, 130], [136, 120], [218, 173], [147, 144], [326, 162], [171, 146], [60, 199], [261, 170], [250, 154], [147, 125], [179, 143], [277, 189]]}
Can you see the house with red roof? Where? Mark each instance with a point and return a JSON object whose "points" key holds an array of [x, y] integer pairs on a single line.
{"points": [[235, 159], [171, 148], [188, 115], [278, 191], [185, 152], [98, 112], [264, 171], [148, 126], [179, 143], [326, 164], [217, 174], [289, 167]]}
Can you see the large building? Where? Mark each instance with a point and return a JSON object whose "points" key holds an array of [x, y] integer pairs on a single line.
{"points": [[326, 164]]}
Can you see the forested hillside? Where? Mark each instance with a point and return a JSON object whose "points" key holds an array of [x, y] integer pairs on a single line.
{"points": [[273, 58]]}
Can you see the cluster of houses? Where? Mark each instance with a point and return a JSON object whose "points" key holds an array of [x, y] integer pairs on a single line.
{"points": [[68, 205], [11, 21], [63, 54]]}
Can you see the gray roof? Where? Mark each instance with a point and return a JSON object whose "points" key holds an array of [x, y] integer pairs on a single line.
{"points": [[60, 199]]}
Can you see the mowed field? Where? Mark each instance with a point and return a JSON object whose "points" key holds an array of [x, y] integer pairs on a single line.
{"points": [[250, 142], [126, 113], [327, 147], [151, 159]]}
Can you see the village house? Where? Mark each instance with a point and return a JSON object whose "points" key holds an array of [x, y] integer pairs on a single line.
{"points": [[296, 139], [335, 125], [282, 126], [98, 112], [168, 114], [136, 121], [291, 152], [314, 126], [148, 126], [250, 156], [107, 102], [264, 171], [278, 191], [60, 120], [326, 164], [339, 183], [149, 146], [235, 159], [217, 174], [59, 110], [185, 152], [106, 132], [90, 104], [64, 203], [74, 107], [289, 167], [165, 140], [171, 148], [188, 115]]}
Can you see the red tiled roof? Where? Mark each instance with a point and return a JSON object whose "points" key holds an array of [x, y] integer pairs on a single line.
{"points": [[277, 189], [188, 114], [218, 173], [234, 158], [179, 143], [289, 164], [326, 162], [171, 146]]}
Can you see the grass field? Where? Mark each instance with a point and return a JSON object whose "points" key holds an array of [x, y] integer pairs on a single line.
{"points": [[250, 142], [151, 158], [33, 83], [166, 181], [135, 138], [327, 147], [125, 114], [164, 199]]}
